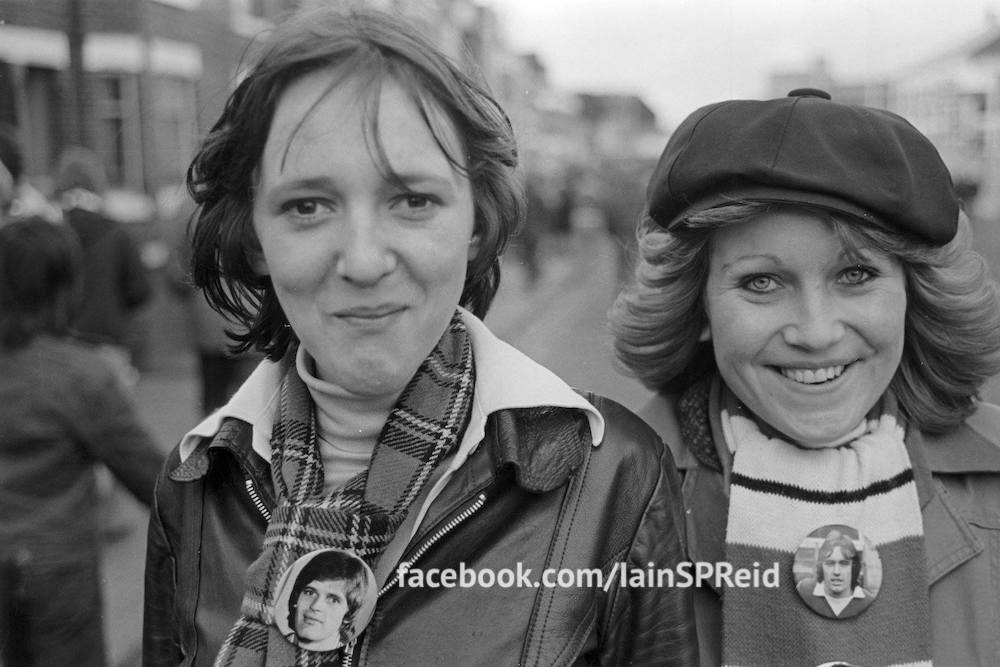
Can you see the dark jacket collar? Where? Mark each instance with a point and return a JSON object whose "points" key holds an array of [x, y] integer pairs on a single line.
{"points": [[973, 447], [542, 446]]}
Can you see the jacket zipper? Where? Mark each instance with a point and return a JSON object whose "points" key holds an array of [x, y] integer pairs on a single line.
{"points": [[431, 540], [255, 497]]}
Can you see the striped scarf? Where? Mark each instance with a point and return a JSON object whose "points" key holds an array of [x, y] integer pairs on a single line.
{"points": [[424, 426], [781, 496]]}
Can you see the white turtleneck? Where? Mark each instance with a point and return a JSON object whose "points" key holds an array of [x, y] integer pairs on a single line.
{"points": [[505, 379], [347, 425]]}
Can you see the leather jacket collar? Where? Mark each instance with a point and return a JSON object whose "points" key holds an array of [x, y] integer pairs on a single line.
{"points": [[563, 432]]}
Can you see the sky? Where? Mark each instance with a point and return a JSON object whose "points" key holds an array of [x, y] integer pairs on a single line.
{"points": [[681, 54]]}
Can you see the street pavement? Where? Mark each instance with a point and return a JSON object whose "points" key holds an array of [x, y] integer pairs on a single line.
{"points": [[560, 321]]}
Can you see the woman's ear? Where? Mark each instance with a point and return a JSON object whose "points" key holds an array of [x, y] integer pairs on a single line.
{"points": [[255, 256], [706, 334], [474, 245]]}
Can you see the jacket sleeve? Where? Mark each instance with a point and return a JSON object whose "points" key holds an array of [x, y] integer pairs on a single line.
{"points": [[112, 432], [650, 624], [160, 629]]}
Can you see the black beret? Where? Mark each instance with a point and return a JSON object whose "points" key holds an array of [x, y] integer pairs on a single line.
{"points": [[806, 149]]}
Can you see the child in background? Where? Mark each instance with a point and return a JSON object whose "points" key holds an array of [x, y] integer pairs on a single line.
{"points": [[62, 410]]}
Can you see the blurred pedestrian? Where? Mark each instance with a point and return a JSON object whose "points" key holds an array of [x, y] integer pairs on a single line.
{"points": [[624, 181], [566, 202], [220, 370], [62, 409], [115, 284], [8, 180], [528, 238], [18, 198]]}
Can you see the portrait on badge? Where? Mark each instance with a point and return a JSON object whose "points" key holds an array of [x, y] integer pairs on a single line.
{"points": [[838, 572], [329, 596], [811, 312]]}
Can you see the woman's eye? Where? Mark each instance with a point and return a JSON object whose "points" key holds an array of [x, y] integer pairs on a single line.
{"points": [[303, 208], [417, 201], [857, 275], [415, 204], [760, 283]]}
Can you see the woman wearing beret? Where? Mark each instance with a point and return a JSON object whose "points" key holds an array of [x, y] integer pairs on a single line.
{"points": [[354, 199], [817, 327]]}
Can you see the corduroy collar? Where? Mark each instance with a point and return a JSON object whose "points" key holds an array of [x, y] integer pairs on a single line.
{"points": [[972, 448]]}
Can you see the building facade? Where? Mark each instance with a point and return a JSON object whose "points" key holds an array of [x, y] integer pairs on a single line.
{"points": [[135, 80], [141, 81]]}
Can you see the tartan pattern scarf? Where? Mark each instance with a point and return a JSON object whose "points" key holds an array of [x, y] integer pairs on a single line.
{"points": [[778, 495], [423, 427]]}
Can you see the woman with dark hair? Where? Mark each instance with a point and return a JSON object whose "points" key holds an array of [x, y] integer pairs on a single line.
{"points": [[62, 411], [808, 306], [354, 201]]}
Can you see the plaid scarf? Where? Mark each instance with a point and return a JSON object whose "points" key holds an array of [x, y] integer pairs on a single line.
{"points": [[779, 495], [424, 426]]}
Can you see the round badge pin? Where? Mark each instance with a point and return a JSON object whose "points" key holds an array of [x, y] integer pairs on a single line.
{"points": [[325, 599], [838, 571]]}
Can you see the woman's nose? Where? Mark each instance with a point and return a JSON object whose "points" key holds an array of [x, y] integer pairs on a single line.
{"points": [[816, 322], [364, 252]]}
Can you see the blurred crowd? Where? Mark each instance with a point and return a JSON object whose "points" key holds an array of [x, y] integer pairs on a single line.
{"points": [[134, 261], [71, 278], [80, 268]]}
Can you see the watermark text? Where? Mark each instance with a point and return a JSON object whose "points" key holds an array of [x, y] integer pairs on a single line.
{"points": [[622, 575]]}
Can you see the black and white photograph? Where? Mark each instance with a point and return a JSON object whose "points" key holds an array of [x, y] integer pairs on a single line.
{"points": [[388, 332]]}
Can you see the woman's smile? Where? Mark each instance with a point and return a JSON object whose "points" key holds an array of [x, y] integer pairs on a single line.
{"points": [[815, 374], [807, 335], [383, 315], [808, 376]]}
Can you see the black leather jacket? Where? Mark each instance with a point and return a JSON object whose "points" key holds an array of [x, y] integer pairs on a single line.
{"points": [[535, 493]]}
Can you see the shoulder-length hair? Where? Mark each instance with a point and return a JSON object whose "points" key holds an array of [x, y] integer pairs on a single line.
{"points": [[953, 313], [361, 45], [847, 548], [333, 566], [39, 268]]}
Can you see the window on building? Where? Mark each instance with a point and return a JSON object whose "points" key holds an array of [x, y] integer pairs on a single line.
{"points": [[43, 132], [116, 131], [183, 4], [110, 128], [175, 126], [8, 108]]}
